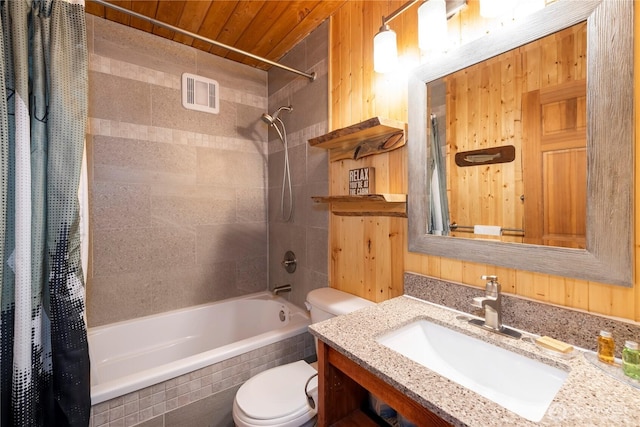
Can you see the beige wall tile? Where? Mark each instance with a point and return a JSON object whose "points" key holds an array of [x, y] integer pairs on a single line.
{"points": [[171, 186], [119, 99], [117, 251], [192, 210], [229, 168], [309, 170], [139, 156], [251, 204], [233, 76], [120, 205], [137, 47], [230, 242], [168, 112]]}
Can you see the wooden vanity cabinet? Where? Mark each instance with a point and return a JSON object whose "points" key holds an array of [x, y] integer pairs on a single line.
{"points": [[343, 388]]}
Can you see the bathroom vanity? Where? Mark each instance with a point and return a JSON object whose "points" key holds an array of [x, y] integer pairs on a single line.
{"points": [[344, 386], [352, 362]]}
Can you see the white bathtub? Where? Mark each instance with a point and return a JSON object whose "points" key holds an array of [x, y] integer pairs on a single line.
{"points": [[131, 355]]}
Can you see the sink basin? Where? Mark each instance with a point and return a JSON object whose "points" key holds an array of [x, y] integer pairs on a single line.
{"points": [[518, 383]]}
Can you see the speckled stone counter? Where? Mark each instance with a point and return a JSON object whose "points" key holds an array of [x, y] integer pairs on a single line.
{"points": [[589, 397], [572, 326]]}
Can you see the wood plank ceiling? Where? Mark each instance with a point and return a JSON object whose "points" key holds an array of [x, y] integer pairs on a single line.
{"points": [[265, 28]]}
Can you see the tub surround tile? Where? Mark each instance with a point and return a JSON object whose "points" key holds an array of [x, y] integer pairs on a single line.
{"points": [[155, 169], [119, 99], [588, 396], [308, 167], [157, 290], [132, 46], [213, 411], [159, 134], [317, 213], [317, 159], [252, 274], [106, 65], [230, 242], [317, 244], [251, 204], [168, 111], [230, 168], [572, 326], [251, 82], [118, 251], [120, 206], [198, 386], [190, 210], [138, 155]]}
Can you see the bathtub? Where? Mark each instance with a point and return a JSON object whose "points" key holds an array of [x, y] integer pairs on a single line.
{"points": [[134, 354]]}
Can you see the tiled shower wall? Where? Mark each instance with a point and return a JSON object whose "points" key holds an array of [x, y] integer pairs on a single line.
{"points": [[178, 198], [306, 234], [179, 202]]}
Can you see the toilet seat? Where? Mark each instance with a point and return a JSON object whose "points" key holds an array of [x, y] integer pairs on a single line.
{"points": [[276, 397]]}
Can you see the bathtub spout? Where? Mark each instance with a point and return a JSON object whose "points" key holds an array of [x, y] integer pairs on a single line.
{"points": [[279, 289]]}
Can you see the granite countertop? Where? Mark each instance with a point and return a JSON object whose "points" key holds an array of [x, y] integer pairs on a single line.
{"points": [[589, 396]]}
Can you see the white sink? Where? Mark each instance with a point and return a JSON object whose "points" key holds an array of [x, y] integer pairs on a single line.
{"points": [[518, 383]]}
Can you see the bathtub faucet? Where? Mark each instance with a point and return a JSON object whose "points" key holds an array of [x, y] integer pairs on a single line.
{"points": [[279, 289]]}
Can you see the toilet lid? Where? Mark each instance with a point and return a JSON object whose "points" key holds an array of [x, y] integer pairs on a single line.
{"points": [[277, 392]]}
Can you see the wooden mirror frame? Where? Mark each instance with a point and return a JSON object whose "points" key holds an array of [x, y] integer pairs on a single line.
{"points": [[608, 257]]}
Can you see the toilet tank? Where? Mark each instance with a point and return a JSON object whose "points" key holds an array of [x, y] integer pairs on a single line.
{"points": [[325, 303]]}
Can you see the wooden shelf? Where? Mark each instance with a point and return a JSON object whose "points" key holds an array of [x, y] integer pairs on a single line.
{"points": [[373, 136], [367, 205]]}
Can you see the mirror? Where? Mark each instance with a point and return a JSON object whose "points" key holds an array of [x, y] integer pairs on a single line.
{"points": [[608, 253], [510, 134]]}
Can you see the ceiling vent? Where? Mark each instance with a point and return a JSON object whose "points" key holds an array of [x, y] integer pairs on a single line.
{"points": [[200, 93]]}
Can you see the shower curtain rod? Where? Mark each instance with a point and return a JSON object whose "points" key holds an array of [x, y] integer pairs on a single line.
{"points": [[104, 3]]}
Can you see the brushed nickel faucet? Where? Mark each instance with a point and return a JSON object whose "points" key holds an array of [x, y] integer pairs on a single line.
{"points": [[279, 289], [492, 305]]}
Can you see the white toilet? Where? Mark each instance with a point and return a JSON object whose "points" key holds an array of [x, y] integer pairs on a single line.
{"points": [[276, 397]]}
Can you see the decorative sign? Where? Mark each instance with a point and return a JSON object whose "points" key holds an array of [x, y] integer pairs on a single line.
{"points": [[361, 181]]}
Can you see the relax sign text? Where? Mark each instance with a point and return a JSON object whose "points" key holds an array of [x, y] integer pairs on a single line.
{"points": [[361, 181]]}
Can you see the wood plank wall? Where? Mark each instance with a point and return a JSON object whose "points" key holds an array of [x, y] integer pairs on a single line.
{"points": [[368, 255]]}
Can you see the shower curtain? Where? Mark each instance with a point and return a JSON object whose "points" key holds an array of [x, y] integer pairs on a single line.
{"points": [[44, 362], [438, 200]]}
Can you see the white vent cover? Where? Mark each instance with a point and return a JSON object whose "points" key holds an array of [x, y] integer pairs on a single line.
{"points": [[200, 93]]}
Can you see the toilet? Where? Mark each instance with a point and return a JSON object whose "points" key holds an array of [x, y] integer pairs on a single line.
{"points": [[276, 397]]}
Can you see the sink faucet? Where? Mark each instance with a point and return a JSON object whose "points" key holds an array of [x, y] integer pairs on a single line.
{"points": [[491, 302], [283, 288]]}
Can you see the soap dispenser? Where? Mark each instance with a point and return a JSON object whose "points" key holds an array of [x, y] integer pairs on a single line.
{"points": [[631, 360], [606, 347]]}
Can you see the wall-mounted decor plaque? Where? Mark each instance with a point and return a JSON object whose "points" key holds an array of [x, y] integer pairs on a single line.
{"points": [[361, 181]]}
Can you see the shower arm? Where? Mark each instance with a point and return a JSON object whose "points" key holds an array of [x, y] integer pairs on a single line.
{"points": [[311, 76]]}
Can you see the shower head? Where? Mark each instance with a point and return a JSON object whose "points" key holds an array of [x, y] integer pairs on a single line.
{"points": [[271, 118]]}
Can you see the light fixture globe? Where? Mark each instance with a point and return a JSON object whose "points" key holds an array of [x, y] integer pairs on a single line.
{"points": [[432, 26], [385, 50], [495, 8]]}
